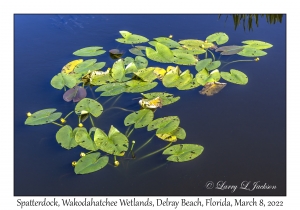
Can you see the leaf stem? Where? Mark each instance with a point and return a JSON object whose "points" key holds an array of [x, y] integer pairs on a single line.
{"points": [[127, 110], [68, 115], [91, 120], [130, 132], [57, 124], [235, 62], [212, 54], [152, 153], [116, 100], [144, 144]]}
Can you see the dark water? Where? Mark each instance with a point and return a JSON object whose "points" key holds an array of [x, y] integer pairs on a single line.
{"points": [[242, 128]]}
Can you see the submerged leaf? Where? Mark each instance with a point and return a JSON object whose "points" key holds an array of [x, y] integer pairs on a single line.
{"points": [[43, 117], [91, 106], [76, 94], [89, 51], [116, 53], [140, 118], [166, 98], [129, 38], [212, 88], [90, 163], [235, 76], [229, 50], [183, 152], [66, 137]]}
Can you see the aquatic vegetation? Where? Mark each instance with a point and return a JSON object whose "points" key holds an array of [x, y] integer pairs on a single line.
{"points": [[133, 75]]}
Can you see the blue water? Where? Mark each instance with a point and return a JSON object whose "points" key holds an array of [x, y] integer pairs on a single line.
{"points": [[242, 128]]}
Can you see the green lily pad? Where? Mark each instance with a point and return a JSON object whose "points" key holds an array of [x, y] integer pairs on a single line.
{"points": [[91, 106], [251, 52], [43, 117], [235, 76], [164, 125], [203, 63], [167, 41], [140, 118], [66, 137], [138, 63], [84, 67], [128, 60], [184, 80], [229, 50], [213, 65], [219, 38], [166, 98], [138, 86], [118, 70], [115, 143], [184, 59], [162, 53], [84, 140], [183, 152], [171, 78], [90, 163], [186, 51], [188, 83], [97, 66], [112, 89], [89, 51], [178, 133], [100, 77], [146, 74], [61, 79], [204, 76], [136, 51], [191, 43], [257, 44], [129, 38]]}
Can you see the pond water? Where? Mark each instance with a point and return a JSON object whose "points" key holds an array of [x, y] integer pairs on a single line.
{"points": [[242, 128]]}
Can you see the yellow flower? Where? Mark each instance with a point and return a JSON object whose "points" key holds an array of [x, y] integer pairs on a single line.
{"points": [[117, 163], [80, 125], [171, 36], [82, 154], [28, 114], [74, 163], [62, 120], [256, 59]]}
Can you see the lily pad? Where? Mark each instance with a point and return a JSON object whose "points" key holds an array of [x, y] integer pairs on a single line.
{"points": [[129, 38], [202, 64], [167, 41], [116, 53], [229, 50], [76, 94], [69, 67], [146, 74], [166, 98], [181, 81], [115, 143], [257, 44], [140, 118], [186, 51], [164, 125], [178, 133], [235, 76], [91, 106], [118, 70], [83, 139], [212, 88], [128, 60], [213, 65], [89, 51], [100, 77], [219, 38], [85, 66], [90, 163], [138, 63], [191, 43], [136, 51], [43, 117], [66, 137], [251, 52], [97, 66], [162, 53], [184, 59], [112, 89], [138, 86], [60, 80], [204, 76], [183, 152]]}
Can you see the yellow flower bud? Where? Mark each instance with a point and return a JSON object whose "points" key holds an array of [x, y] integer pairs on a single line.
{"points": [[62, 120], [80, 125], [133, 142], [171, 36], [82, 154], [256, 59], [74, 163], [28, 114], [117, 163]]}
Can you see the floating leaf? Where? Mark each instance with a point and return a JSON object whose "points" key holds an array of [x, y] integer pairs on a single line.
{"points": [[60, 80], [89, 51], [229, 50], [212, 88], [202, 64], [66, 137], [112, 89], [159, 72], [167, 41], [166, 98], [89, 105], [257, 44], [171, 78], [235, 76], [146, 74], [97, 66], [118, 70], [181, 81], [76, 94], [140, 118], [183, 152], [100, 77], [115, 143], [164, 125], [184, 59], [129, 38], [162, 53], [84, 140], [138, 63], [128, 60], [188, 83], [186, 51], [191, 44], [136, 51], [43, 117], [69, 67], [85, 66], [203, 76], [90, 163], [251, 52], [141, 47], [213, 65], [178, 133], [219, 38], [138, 86]]}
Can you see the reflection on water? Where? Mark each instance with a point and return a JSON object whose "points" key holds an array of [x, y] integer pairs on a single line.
{"points": [[248, 19]]}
